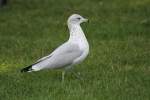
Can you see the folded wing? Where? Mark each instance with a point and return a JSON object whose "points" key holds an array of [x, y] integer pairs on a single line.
{"points": [[61, 57]]}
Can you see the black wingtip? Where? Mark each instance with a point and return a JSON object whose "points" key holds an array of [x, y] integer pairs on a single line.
{"points": [[26, 69]]}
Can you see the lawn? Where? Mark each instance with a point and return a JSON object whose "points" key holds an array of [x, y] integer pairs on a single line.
{"points": [[117, 68]]}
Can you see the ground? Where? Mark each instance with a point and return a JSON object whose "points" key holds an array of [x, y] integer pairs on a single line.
{"points": [[117, 68]]}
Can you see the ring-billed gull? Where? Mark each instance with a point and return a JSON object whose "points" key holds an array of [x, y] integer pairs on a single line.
{"points": [[72, 52]]}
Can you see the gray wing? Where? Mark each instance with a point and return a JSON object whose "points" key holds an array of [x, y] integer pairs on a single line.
{"points": [[62, 56]]}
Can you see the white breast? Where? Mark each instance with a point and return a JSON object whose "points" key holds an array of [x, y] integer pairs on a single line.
{"points": [[77, 37], [84, 46]]}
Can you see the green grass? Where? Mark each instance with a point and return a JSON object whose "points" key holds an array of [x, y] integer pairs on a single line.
{"points": [[117, 68]]}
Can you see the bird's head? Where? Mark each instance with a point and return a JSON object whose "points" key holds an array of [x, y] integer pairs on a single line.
{"points": [[76, 19]]}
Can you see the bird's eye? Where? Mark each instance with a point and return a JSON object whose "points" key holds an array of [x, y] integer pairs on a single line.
{"points": [[78, 18]]}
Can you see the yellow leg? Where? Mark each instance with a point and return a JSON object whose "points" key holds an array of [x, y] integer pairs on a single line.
{"points": [[63, 75]]}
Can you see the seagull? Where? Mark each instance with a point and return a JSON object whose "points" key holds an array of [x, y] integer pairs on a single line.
{"points": [[72, 52]]}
